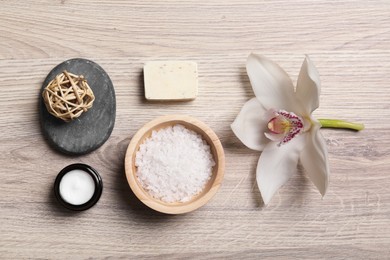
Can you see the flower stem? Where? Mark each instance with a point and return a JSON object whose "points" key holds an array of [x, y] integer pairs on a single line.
{"points": [[334, 123]]}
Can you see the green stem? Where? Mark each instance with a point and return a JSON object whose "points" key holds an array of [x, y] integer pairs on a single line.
{"points": [[334, 123]]}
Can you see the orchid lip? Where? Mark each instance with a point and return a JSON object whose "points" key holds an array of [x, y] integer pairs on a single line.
{"points": [[278, 125], [284, 126]]}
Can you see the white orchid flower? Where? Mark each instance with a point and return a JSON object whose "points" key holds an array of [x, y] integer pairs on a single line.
{"points": [[278, 121]]}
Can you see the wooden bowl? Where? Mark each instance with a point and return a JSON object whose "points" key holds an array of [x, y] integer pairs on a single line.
{"points": [[211, 187]]}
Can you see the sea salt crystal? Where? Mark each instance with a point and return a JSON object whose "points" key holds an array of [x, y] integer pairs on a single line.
{"points": [[174, 164]]}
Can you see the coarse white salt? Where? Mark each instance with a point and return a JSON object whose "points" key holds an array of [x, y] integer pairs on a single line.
{"points": [[174, 164]]}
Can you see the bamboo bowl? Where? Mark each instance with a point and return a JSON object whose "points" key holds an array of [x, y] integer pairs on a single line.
{"points": [[211, 187]]}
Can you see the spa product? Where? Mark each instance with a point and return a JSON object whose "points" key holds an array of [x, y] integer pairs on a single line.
{"points": [[93, 127], [78, 187], [174, 164], [171, 80], [67, 96], [163, 122]]}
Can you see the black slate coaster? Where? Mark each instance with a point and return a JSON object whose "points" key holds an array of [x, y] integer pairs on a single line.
{"points": [[92, 128]]}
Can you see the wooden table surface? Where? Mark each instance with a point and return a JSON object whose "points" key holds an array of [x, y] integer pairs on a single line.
{"points": [[349, 41]]}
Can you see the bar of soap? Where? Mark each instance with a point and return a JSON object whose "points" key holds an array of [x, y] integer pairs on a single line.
{"points": [[171, 80]]}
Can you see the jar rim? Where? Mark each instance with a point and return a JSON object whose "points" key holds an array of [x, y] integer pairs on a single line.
{"points": [[96, 179]]}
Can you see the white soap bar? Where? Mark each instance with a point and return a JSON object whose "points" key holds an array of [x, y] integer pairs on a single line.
{"points": [[171, 80]]}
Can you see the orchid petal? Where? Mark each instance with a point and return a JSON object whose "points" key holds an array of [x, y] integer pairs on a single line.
{"points": [[250, 125], [274, 137], [314, 159], [309, 86], [271, 84], [276, 165]]}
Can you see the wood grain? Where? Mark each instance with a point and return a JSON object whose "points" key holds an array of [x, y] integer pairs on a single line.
{"points": [[349, 41]]}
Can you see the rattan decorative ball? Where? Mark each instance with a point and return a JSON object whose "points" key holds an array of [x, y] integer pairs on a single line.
{"points": [[68, 96]]}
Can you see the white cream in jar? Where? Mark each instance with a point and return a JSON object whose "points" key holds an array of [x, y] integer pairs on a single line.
{"points": [[77, 187]]}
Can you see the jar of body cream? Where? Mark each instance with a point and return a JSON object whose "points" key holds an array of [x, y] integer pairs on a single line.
{"points": [[78, 186]]}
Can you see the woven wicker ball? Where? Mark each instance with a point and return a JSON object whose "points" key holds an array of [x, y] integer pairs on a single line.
{"points": [[68, 96]]}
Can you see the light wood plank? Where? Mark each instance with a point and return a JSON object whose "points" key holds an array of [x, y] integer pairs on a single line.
{"points": [[349, 41]]}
